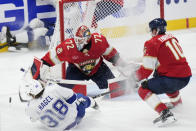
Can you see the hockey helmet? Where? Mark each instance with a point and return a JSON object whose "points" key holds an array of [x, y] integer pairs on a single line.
{"points": [[82, 36], [159, 24], [34, 87]]}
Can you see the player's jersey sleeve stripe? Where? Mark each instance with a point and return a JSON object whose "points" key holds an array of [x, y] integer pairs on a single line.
{"points": [[53, 57], [110, 53], [108, 50], [149, 62], [71, 99]]}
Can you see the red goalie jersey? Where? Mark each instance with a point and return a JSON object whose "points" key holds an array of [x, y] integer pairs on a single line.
{"points": [[87, 61], [164, 54]]}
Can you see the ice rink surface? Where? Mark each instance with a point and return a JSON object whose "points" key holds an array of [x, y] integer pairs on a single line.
{"points": [[125, 113]]}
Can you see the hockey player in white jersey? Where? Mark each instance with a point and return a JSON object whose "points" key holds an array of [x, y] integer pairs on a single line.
{"points": [[58, 108], [36, 30]]}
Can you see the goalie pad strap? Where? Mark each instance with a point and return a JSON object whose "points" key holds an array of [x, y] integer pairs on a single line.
{"points": [[77, 88]]}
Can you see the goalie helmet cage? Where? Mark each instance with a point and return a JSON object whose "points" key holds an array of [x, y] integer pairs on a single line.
{"points": [[84, 14]]}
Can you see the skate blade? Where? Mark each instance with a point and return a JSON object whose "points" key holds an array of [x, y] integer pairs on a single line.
{"points": [[13, 49], [166, 123]]}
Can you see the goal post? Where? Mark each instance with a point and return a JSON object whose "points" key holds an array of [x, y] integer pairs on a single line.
{"points": [[61, 16], [162, 14]]}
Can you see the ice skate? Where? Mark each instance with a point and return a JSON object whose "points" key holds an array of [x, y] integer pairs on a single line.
{"points": [[11, 41], [7, 35], [166, 118], [18, 47]]}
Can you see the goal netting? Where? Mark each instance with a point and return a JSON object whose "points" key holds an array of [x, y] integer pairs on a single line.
{"points": [[112, 18]]}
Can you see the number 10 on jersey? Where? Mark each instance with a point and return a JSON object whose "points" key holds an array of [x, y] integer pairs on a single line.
{"points": [[175, 49]]}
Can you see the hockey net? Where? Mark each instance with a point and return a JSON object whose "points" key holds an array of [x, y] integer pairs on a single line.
{"points": [[112, 18]]}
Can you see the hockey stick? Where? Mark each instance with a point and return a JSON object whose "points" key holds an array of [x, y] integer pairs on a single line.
{"points": [[21, 99], [19, 92], [1, 47], [108, 92]]}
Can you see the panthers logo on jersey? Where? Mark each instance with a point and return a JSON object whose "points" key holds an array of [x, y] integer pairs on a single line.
{"points": [[87, 66]]}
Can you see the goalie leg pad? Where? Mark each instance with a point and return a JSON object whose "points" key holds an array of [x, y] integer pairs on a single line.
{"points": [[40, 70], [80, 89], [77, 88], [119, 87], [35, 68]]}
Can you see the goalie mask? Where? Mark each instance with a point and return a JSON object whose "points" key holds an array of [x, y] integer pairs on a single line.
{"points": [[34, 88], [82, 36]]}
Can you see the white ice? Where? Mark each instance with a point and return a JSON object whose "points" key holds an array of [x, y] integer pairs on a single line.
{"points": [[125, 113]]}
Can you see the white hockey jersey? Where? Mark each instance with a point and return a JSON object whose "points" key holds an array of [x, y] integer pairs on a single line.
{"points": [[56, 108]]}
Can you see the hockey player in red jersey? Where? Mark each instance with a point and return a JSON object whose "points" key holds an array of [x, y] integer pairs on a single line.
{"points": [[84, 53], [164, 56]]}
